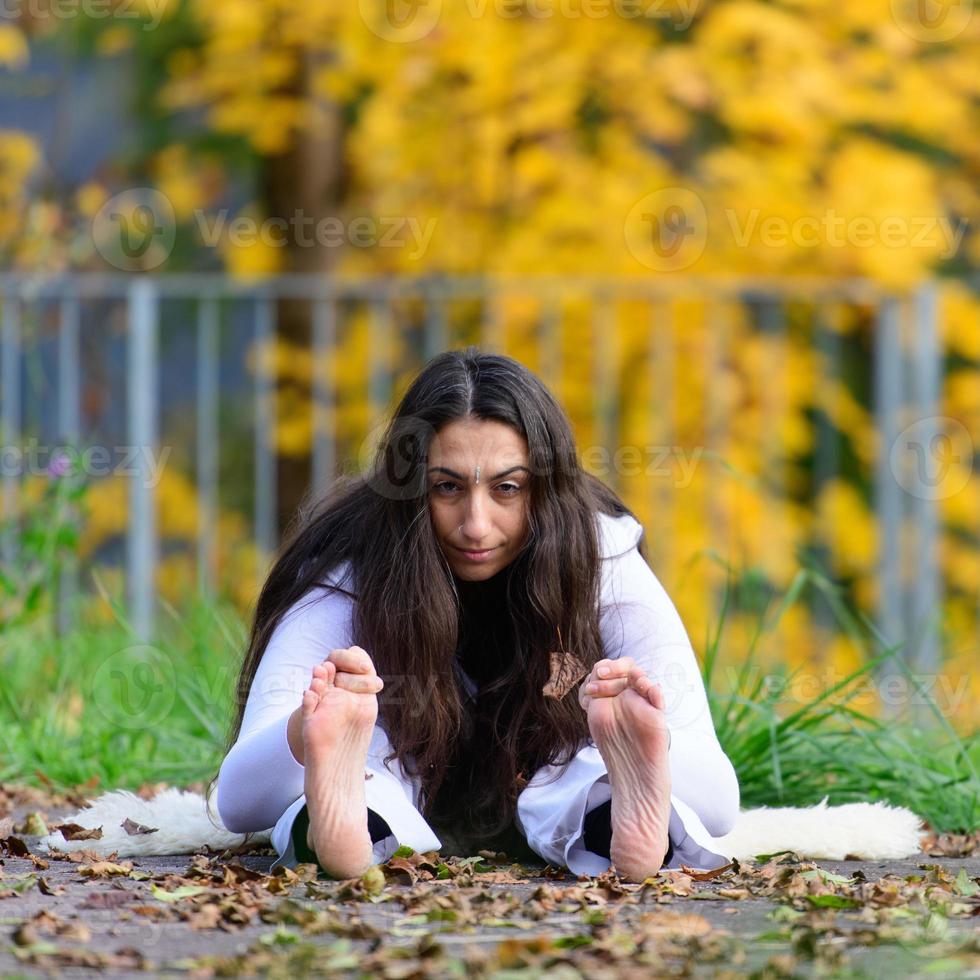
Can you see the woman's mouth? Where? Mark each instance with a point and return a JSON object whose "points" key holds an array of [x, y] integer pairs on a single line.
{"points": [[476, 555]]}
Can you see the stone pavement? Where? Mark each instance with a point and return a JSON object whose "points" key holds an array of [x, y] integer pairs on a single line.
{"points": [[428, 916], [104, 922]]}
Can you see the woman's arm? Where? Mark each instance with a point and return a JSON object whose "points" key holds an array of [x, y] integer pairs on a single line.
{"points": [[639, 620], [263, 771]]}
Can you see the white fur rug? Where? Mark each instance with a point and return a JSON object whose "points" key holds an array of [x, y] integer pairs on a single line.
{"points": [[181, 825]]}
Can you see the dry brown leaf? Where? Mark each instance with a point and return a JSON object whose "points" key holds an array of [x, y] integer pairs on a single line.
{"points": [[665, 922], [706, 875], [15, 847], [566, 671], [134, 829], [105, 869], [74, 831]]}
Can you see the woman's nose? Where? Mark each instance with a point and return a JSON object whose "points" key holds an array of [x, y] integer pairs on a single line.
{"points": [[476, 523]]}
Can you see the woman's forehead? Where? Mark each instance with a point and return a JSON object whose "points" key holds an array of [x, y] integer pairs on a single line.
{"points": [[490, 445]]}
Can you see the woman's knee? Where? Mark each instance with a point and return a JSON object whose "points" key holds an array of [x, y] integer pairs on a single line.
{"points": [[720, 816]]}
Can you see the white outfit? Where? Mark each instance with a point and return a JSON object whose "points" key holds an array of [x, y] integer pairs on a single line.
{"points": [[260, 784]]}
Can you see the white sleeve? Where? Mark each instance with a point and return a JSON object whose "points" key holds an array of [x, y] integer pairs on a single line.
{"points": [[260, 777], [639, 620]]}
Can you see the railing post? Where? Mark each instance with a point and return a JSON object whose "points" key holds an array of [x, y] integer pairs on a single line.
{"points": [[662, 358], [436, 325], [11, 448], [492, 326], [605, 353], [324, 432], [208, 440], [550, 343], [143, 316], [265, 431], [379, 353], [69, 429], [926, 373], [888, 373]]}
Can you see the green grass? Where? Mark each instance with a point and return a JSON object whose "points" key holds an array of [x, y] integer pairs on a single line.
{"points": [[789, 753], [97, 703]]}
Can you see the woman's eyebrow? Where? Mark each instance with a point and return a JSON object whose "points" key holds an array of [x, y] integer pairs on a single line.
{"points": [[459, 476]]}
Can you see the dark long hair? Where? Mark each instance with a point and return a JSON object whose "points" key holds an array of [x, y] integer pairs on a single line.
{"points": [[407, 608]]}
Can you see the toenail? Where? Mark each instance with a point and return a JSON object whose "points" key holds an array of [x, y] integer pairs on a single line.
{"points": [[592, 688], [603, 671]]}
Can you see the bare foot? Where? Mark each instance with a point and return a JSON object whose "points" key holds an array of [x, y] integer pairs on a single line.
{"points": [[337, 727], [630, 731]]}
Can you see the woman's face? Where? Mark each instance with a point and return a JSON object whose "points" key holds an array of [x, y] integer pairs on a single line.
{"points": [[478, 481]]}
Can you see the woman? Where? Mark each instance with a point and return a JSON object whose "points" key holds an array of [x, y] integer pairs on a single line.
{"points": [[468, 641]]}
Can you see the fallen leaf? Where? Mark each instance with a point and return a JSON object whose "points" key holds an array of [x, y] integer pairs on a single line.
{"points": [[15, 847], [74, 831], [134, 829], [34, 825], [185, 891], [706, 875], [566, 671], [105, 869]]}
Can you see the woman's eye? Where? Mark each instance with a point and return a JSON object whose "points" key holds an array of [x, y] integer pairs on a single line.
{"points": [[508, 489]]}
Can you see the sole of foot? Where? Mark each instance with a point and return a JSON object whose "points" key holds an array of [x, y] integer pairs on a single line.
{"points": [[337, 728], [630, 732]]}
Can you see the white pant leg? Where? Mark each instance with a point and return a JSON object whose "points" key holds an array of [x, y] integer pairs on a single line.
{"points": [[389, 792], [551, 810]]}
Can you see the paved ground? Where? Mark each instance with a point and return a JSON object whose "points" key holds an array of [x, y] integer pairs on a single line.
{"points": [[226, 916]]}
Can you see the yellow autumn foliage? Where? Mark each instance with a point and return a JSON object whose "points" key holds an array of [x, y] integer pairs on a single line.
{"points": [[804, 138]]}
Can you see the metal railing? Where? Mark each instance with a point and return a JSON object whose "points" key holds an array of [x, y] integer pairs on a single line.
{"points": [[903, 377]]}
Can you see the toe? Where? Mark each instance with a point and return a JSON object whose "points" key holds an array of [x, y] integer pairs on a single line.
{"points": [[310, 701]]}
